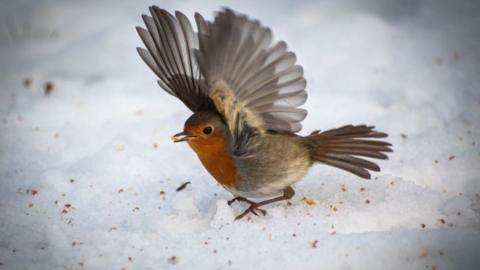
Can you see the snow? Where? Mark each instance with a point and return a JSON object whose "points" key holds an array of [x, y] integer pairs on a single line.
{"points": [[88, 174]]}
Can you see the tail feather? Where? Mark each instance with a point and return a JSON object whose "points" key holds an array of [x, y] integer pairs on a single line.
{"points": [[342, 148], [365, 145]]}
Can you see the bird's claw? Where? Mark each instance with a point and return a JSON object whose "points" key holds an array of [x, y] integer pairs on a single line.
{"points": [[240, 199], [251, 209], [232, 200]]}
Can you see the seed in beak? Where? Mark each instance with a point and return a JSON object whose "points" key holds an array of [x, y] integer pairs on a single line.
{"points": [[181, 137]]}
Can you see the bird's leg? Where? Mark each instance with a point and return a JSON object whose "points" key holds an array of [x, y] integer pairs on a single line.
{"points": [[254, 206]]}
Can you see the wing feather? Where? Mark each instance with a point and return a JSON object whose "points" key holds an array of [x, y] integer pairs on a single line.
{"points": [[230, 66], [260, 83], [169, 42]]}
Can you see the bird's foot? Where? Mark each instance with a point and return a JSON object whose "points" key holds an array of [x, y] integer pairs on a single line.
{"points": [[254, 206], [251, 209], [240, 199]]}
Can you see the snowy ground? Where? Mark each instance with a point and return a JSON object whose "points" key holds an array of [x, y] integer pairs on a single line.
{"points": [[88, 172]]}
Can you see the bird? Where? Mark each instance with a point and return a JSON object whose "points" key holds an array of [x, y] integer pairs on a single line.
{"points": [[244, 90]]}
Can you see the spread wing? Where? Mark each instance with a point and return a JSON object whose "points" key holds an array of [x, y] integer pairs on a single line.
{"points": [[255, 85], [263, 77], [229, 66], [169, 42]]}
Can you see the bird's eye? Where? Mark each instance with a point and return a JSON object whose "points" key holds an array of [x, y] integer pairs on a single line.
{"points": [[207, 130]]}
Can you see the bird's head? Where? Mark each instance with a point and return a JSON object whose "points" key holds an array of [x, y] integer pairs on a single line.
{"points": [[203, 128]]}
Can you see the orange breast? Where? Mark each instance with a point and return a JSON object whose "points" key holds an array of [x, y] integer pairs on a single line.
{"points": [[216, 159]]}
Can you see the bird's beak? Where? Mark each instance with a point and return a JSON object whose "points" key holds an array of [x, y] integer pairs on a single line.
{"points": [[181, 137]]}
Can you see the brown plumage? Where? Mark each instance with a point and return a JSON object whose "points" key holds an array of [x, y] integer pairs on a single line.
{"points": [[339, 148], [245, 93]]}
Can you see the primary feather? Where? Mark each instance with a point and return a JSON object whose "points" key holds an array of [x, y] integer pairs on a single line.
{"points": [[169, 41]]}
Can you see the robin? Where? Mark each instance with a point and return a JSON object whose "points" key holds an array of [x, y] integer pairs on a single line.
{"points": [[245, 92]]}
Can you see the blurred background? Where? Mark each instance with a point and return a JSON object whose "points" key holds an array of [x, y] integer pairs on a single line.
{"points": [[88, 173]]}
